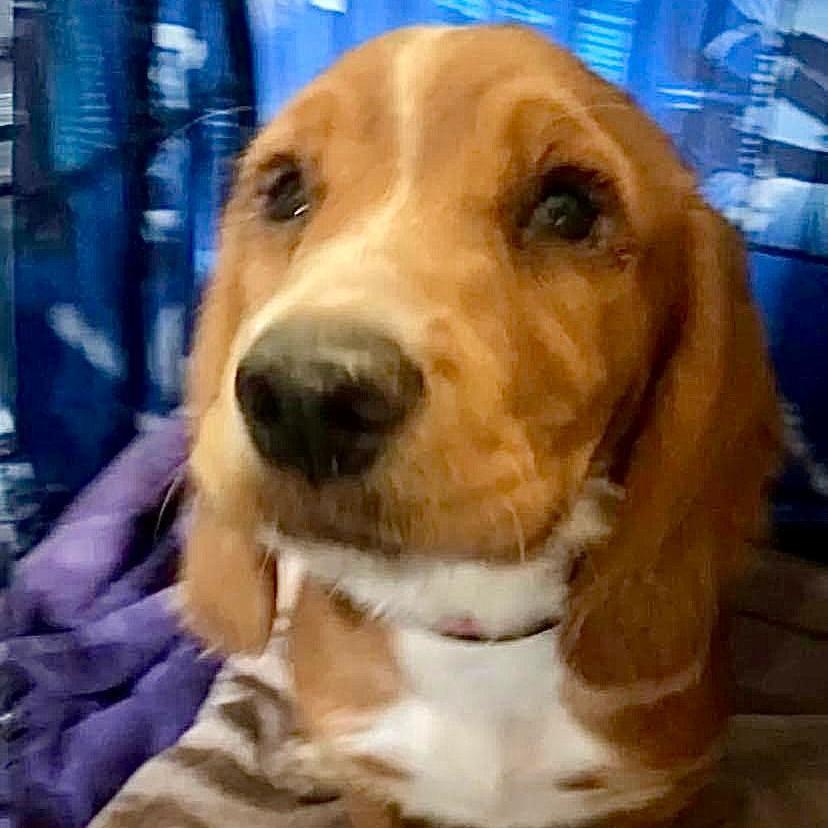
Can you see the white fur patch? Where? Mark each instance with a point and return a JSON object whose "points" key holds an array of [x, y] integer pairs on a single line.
{"points": [[481, 735], [483, 739], [504, 600]]}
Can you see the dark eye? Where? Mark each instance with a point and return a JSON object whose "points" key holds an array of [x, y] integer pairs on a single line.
{"points": [[564, 207], [286, 194]]}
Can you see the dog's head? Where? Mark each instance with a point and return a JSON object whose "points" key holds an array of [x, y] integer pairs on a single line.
{"points": [[461, 278]]}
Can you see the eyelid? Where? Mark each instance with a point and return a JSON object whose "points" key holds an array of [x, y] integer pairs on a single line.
{"points": [[281, 168], [276, 169], [590, 182]]}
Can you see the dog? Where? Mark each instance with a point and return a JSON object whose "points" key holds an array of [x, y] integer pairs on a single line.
{"points": [[482, 408]]}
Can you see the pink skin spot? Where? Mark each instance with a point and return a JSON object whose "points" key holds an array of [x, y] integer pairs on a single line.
{"points": [[460, 627]]}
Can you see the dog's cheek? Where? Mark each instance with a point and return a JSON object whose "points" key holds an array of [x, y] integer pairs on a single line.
{"points": [[476, 493], [223, 463], [464, 474]]}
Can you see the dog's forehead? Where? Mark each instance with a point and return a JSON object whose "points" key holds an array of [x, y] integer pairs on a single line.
{"points": [[435, 67], [439, 75]]}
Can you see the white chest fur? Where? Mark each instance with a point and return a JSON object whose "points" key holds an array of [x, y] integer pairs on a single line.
{"points": [[483, 738]]}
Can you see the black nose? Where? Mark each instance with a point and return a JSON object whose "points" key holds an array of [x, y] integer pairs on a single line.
{"points": [[322, 398]]}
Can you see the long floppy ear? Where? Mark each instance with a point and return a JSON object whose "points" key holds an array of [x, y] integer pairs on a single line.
{"points": [[645, 605], [228, 583]]}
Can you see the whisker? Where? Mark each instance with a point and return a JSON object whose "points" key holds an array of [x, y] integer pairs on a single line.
{"points": [[586, 110], [520, 535], [241, 221], [213, 113], [172, 490], [263, 563]]}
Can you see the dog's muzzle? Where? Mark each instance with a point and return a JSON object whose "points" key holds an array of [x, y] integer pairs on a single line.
{"points": [[322, 397]]}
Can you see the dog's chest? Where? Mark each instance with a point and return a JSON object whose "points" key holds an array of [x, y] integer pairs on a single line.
{"points": [[481, 737]]}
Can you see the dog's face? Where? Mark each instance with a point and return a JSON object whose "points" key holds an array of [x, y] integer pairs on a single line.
{"points": [[460, 276], [448, 226]]}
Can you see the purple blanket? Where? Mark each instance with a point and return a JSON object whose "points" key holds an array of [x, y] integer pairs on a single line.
{"points": [[96, 675]]}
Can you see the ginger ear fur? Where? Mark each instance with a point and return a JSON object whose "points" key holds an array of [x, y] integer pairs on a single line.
{"points": [[646, 604], [228, 582], [229, 585]]}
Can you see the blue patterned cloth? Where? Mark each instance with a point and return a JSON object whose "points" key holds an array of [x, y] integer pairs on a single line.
{"points": [[132, 111]]}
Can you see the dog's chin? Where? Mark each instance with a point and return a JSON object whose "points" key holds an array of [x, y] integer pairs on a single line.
{"points": [[456, 594], [337, 522], [394, 555], [348, 525], [384, 516]]}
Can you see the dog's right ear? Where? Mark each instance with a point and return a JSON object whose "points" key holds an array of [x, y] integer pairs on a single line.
{"points": [[696, 482], [228, 583]]}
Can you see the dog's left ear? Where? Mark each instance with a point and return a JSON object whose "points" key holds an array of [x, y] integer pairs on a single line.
{"points": [[644, 605]]}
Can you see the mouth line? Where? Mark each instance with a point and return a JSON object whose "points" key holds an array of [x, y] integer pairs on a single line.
{"points": [[471, 637], [399, 555], [395, 552]]}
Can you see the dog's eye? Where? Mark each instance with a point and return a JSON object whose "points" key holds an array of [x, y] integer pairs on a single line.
{"points": [[285, 193], [564, 207]]}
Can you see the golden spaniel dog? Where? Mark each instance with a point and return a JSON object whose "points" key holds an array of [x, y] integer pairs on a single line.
{"points": [[480, 378]]}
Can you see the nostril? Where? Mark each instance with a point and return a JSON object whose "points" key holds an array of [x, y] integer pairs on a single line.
{"points": [[357, 408], [257, 396]]}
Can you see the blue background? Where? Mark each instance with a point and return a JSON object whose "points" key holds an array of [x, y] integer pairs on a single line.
{"points": [[130, 112]]}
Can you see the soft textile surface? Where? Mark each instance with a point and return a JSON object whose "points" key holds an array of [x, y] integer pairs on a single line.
{"points": [[229, 769], [95, 673], [128, 116]]}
